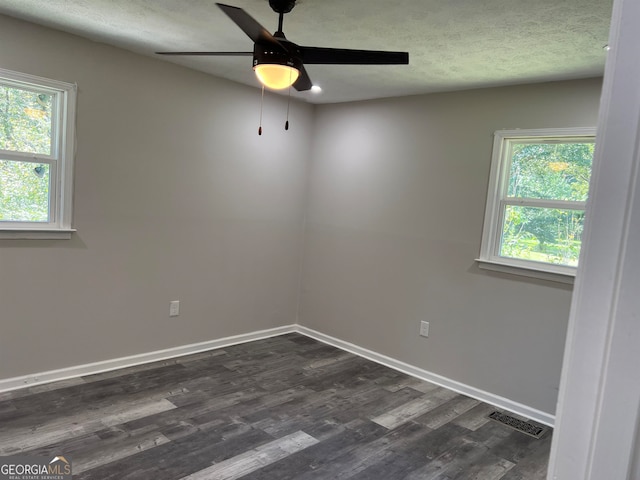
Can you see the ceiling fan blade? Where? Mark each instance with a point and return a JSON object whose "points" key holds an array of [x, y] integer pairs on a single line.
{"points": [[303, 82], [341, 56], [249, 25], [217, 54]]}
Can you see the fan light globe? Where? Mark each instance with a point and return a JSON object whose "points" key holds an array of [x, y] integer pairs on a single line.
{"points": [[276, 76]]}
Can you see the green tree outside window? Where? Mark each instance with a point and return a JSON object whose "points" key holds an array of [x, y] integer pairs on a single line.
{"points": [[25, 128]]}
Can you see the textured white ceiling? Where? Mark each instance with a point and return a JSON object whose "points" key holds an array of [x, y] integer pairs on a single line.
{"points": [[452, 44]]}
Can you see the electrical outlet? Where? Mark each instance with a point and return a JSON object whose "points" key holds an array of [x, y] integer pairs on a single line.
{"points": [[424, 329], [174, 308]]}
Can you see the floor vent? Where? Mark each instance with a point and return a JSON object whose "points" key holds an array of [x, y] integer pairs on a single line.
{"points": [[528, 428]]}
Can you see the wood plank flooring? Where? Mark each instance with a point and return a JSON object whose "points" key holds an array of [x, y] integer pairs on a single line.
{"points": [[283, 408]]}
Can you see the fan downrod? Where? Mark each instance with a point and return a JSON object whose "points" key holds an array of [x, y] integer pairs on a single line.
{"points": [[282, 6]]}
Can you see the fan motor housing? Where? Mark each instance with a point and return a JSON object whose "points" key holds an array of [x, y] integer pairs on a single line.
{"points": [[267, 54]]}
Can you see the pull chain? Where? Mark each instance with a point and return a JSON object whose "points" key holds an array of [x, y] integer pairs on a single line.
{"points": [[261, 105], [286, 124]]}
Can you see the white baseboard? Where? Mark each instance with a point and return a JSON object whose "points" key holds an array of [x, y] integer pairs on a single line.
{"points": [[498, 401], [134, 360]]}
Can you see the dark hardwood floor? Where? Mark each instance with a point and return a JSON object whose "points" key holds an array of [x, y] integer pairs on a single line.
{"points": [[286, 407]]}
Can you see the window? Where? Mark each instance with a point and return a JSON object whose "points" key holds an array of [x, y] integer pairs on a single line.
{"points": [[536, 200], [37, 118]]}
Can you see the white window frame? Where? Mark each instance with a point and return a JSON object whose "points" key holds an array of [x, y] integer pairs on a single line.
{"points": [[60, 160], [497, 200]]}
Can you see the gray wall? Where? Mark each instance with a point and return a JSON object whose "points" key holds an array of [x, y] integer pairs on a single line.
{"points": [[394, 222], [176, 198]]}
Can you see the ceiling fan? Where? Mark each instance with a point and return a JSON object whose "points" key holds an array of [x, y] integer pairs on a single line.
{"points": [[279, 63]]}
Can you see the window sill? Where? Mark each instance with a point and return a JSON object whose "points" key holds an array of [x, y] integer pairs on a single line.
{"points": [[494, 266], [33, 234]]}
